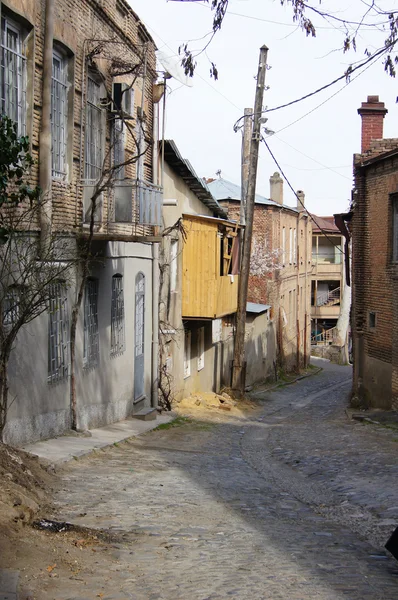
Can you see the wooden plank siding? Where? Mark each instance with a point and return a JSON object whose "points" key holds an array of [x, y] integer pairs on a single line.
{"points": [[205, 293]]}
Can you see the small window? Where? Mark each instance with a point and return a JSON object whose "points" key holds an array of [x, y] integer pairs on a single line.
{"points": [[59, 112], [91, 338], [13, 73], [58, 332], [187, 354], [372, 320], [117, 315], [201, 348], [173, 265]]}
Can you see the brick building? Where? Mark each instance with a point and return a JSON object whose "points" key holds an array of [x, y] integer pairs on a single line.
{"points": [[374, 228], [79, 78], [280, 264]]}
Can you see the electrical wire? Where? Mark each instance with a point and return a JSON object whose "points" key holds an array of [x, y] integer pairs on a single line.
{"points": [[298, 198]]}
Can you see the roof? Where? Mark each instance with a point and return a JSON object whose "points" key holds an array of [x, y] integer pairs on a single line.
{"points": [[216, 220], [324, 224], [252, 307], [187, 173], [226, 190]]}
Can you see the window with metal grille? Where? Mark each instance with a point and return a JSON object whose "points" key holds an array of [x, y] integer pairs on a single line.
{"points": [[59, 111], [13, 74], [117, 315], [118, 148], [11, 306], [94, 129], [58, 332], [139, 313], [91, 338]]}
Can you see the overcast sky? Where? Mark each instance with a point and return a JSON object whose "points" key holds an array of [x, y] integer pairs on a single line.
{"points": [[316, 152]]}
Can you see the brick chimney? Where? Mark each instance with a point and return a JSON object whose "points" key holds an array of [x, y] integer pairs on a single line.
{"points": [[372, 113], [300, 200], [276, 188]]}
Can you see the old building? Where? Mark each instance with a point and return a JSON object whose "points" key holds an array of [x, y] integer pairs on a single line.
{"points": [[280, 264], [199, 287], [327, 281], [82, 89], [374, 227]]}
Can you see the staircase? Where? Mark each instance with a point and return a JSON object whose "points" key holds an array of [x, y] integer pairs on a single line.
{"points": [[326, 337], [328, 298]]}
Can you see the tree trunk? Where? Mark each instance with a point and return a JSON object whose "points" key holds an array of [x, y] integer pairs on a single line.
{"points": [[3, 395]]}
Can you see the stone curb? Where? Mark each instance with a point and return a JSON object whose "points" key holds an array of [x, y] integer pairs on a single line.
{"points": [[284, 383]]}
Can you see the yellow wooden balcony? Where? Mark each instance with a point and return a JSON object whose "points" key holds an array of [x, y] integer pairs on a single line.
{"points": [[209, 285]]}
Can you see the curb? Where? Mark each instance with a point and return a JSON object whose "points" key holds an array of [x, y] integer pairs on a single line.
{"points": [[298, 378]]}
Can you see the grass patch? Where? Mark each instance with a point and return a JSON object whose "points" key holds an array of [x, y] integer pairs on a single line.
{"points": [[177, 422]]}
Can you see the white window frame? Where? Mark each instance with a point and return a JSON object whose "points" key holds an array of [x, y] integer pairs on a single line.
{"points": [[59, 115], [13, 64], [187, 353], [58, 332], [290, 246], [284, 245], [93, 156], [294, 246], [173, 265], [201, 348], [91, 334], [117, 315]]}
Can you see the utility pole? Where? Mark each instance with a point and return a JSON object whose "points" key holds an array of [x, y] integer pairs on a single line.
{"points": [[239, 348], [247, 134]]}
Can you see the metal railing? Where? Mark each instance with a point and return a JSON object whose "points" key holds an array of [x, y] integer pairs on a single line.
{"points": [[328, 298], [325, 337]]}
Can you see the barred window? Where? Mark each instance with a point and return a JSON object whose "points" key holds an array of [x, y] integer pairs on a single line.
{"points": [[91, 338], [139, 313], [13, 74], [11, 306], [117, 315], [58, 332], [59, 107], [94, 124], [118, 148]]}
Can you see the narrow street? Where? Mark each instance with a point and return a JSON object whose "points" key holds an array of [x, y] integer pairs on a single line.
{"points": [[294, 504]]}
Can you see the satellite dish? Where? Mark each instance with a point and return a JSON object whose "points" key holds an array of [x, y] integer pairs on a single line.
{"points": [[172, 67]]}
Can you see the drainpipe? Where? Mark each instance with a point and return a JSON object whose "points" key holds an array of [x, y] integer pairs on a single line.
{"points": [[155, 325], [45, 132]]}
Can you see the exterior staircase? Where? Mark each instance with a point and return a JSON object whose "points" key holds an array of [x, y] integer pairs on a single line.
{"points": [[329, 298], [325, 338]]}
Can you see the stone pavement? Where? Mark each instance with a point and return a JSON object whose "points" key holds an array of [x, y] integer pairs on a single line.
{"points": [[210, 512], [8, 584], [66, 447]]}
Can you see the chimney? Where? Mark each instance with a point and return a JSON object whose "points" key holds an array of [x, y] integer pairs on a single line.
{"points": [[300, 200], [372, 113], [276, 188]]}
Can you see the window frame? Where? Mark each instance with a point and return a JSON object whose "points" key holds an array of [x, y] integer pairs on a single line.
{"points": [[118, 345], [93, 136], [119, 148], [283, 246], [58, 328], [7, 23], [90, 324], [59, 168]]}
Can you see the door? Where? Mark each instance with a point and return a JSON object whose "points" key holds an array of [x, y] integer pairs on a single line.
{"points": [[139, 345]]}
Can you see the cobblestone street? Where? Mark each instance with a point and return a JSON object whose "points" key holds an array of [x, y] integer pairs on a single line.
{"points": [[294, 504]]}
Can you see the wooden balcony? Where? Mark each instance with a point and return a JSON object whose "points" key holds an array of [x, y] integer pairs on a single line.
{"points": [[208, 291]]}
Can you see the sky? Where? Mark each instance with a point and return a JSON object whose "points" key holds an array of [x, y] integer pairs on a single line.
{"points": [[316, 152]]}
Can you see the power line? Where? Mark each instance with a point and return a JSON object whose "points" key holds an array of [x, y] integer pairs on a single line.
{"points": [[298, 198]]}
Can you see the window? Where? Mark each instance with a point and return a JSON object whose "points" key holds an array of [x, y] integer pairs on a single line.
{"points": [[283, 246], [94, 131], [173, 265], [58, 332], [395, 228], [291, 246], [59, 111], [117, 315], [187, 353], [118, 148], [372, 320], [140, 137], [13, 74], [91, 339], [201, 348], [139, 313], [11, 304], [294, 246]]}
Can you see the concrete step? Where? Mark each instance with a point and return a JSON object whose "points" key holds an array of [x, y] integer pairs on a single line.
{"points": [[146, 414]]}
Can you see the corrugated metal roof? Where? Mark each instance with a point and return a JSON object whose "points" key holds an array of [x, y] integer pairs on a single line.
{"points": [[252, 307], [196, 184], [226, 190], [324, 224]]}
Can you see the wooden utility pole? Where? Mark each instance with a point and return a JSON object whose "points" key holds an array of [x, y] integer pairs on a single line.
{"points": [[247, 134], [239, 348]]}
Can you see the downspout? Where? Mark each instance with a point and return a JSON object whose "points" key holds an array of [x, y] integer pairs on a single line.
{"points": [[45, 133], [155, 325]]}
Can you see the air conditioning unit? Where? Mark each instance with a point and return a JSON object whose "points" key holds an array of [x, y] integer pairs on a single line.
{"points": [[122, 99]]}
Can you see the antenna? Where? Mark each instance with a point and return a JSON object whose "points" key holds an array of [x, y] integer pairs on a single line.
{"points": [[172, 68]]}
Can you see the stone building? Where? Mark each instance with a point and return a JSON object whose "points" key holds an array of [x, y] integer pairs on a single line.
{"points": [[280, 264], [374, 228], [78, 77]]}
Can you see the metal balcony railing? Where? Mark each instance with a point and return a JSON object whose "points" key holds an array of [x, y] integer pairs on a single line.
{"points": [[329, 298], [326, 337]]}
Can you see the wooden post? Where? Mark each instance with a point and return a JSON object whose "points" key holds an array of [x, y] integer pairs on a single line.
{"points": [[247, 134], [239, 348]]}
